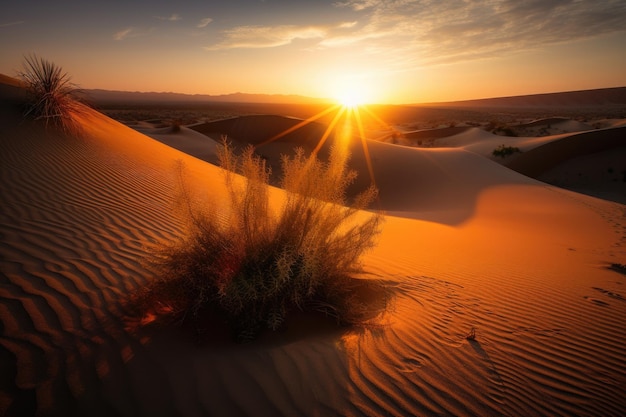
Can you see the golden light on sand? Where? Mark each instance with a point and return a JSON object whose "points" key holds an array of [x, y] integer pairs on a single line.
{"points": [[536, 270]]}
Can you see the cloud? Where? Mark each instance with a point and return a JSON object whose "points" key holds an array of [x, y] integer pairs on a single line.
{"points": [[204, 22], [4, 25], [428, 32], [347, 25], [173, 18], [358, 5], [130, 32], [122, 34], [453, 30], [266, 36]]}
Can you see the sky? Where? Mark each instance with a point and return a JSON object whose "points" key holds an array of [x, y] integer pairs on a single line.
{"points": [[383, 51]]}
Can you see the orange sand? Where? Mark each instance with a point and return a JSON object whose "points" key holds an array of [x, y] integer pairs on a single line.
{"points": [[467, 243]]}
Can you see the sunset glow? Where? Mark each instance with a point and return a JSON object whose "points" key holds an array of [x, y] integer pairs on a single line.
{"points": [[350, 99], [393, 51], [305, 208], [351, 94]]}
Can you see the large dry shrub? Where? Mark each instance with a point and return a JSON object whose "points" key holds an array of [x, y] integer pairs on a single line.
{"points": [[253, 266]]}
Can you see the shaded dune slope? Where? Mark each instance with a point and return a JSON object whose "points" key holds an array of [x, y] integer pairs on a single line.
{"points": [[542, 158], [257, 129], [438, 185], [75, 225]]}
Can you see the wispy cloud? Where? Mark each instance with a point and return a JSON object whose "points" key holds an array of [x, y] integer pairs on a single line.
{"points": [[122, 34], [130, 32], [452, 30], [358, 5], [18, 22], [347, 25], [172, 18], [428, 32], [204, 22], [266, 36]]}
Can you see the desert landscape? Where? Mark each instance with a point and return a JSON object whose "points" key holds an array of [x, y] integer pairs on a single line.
{"points": [[296, 208], [503, 295]]}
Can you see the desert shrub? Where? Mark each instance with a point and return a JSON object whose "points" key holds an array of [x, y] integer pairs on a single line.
{"points": [[175, 125], [53, 97], [500, 128], [252, 266], [503, 151]]}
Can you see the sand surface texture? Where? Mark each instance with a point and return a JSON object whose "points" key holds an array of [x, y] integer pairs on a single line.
{"points": [[467, 243]]}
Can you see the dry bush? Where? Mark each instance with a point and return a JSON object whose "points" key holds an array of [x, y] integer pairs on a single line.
{"points": [[254, 267], [503, 151], [54, 98]]}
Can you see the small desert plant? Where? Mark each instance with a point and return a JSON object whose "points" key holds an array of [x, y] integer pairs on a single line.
{"points": [[175, 125], [503, 151], [471, 336], [500, 128], [252, 266], [54, 98]]}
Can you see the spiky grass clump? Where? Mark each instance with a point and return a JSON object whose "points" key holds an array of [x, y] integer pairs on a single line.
{"points": [[54, 98], [255, 267]]}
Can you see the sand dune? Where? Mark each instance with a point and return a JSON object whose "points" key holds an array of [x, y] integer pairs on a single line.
{"points": [[258, 129], [606, 97], [539, 159], [561, 123], [443, 186], [522, 262], [580, 158]]}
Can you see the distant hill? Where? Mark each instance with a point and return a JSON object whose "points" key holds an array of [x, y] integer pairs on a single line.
{"points": [[602, 97], [101, 97], [584, 98]]}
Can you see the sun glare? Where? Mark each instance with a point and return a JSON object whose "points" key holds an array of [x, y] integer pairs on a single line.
{"points": [[351, 94], [350, 99]]}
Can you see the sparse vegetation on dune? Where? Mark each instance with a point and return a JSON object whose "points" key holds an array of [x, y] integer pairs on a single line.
{"points": [[503, 151], [500, 128], [254, 267], [53, 97]]}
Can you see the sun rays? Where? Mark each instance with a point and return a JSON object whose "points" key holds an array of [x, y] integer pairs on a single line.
{"points": [[347, 125]]}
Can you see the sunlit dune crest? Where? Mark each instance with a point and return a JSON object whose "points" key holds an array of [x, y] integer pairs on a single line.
{"points": [[506, 293]]}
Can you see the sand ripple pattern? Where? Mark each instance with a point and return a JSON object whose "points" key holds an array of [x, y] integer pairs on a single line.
{"points": [[567, 360], [73, 238], [76, 222]]}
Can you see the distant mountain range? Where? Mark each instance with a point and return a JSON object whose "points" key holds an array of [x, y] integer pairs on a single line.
{"points": [[585, 98], [612, 97], [101, 97]]}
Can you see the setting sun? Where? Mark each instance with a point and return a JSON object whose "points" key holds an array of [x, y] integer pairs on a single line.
{"points": [[350, 98], [351, 92]]}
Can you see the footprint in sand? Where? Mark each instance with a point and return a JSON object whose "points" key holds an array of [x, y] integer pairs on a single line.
{"points": [[611, 294], [596, 301], [412, 364], [620, 268]]}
